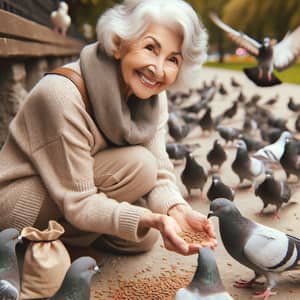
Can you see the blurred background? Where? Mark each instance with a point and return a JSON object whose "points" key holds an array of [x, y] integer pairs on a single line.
{"points": [[256, 18]]}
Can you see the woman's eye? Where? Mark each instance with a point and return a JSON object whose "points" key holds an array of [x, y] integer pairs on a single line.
{"points": [[150, 47], [174, 60]]}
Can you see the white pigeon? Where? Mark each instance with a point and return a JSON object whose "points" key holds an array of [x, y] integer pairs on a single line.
{"points": [[267, 251], [60, 18], [272, 153]]}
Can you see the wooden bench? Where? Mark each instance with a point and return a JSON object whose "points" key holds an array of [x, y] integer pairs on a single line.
{"points": [[20, 37]]}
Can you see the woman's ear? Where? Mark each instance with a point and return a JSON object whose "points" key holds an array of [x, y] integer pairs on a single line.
{"points": [[117, 52]]}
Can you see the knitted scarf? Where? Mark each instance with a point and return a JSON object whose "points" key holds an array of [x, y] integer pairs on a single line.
{"points": [[122, 122]]}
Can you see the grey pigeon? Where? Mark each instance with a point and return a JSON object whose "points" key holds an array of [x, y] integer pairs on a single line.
{"points": [[9, 271], [228, 133], [245, 166], [194, 175], [290, 160], [217, 155], [77, 282], [206, 283], [219, 189], [273, 152], [267, 251], [269, 54], [273, 191]]}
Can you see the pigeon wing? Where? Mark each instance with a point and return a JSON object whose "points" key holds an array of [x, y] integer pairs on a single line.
{"points": [[8, 291], [267, 248], [287, 51], [240, 38]]}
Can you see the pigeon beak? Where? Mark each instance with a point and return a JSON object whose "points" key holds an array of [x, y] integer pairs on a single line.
{"points": [[97, 269], [210, 214], [20, 239]]}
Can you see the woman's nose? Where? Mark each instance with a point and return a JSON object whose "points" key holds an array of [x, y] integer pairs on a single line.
{"points": [[157, 69]]}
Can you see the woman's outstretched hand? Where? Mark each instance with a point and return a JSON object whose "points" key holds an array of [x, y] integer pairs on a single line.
{"points": [[191, 220], [180, 219]]}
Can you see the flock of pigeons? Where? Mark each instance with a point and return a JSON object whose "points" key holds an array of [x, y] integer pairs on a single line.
{"points": [[264, 145]]}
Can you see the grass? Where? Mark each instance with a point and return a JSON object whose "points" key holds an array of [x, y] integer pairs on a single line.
{"points": [[290, 75]]}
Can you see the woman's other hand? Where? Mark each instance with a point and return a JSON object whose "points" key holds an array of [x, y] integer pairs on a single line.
{"points": [[191, 220]]}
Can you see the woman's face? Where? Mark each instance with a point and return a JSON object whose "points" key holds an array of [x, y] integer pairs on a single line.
{"points": [[151, 63]]}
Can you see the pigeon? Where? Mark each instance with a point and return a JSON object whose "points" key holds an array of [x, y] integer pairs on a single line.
{"points": [[178, 130], [219, 189], [231, 111], [269, 54], [272, 191], [267, 251], [249, 125], [241, 97], [273, 152], [206, 283], [194, 175], [178, 151], [60, 18], [252, 144], [234, 82], [270, 134], [297, 124], [245, 166], [222, 90], [228, 133], [206, 122], [9, 270], [217, 155], [272, 100], [290, 160], [292, 106], [77, 282]]}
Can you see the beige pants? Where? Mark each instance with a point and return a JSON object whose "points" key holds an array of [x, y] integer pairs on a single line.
{"points": [[124, 174]]}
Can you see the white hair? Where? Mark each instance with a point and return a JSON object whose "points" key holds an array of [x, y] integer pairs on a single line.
{"points": [[129, 20]]}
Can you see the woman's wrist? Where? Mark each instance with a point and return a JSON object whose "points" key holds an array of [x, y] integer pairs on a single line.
{"points": [[178, 209], [147, 221]]}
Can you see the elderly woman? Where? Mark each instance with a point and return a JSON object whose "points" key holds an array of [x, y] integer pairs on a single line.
{"points": [[105, 175]]}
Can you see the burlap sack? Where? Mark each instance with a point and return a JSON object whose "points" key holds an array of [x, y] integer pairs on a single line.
{"points": [[46, 262]]}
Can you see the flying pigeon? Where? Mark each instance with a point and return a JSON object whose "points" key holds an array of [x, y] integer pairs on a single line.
{"points": [[9, 270], [206, 283], [245, 166], [272, 191], [273, 152], [76, 284], [194, 175], [60, 18], [267, 251], [217, 155], [219, 189], [269, 54]]}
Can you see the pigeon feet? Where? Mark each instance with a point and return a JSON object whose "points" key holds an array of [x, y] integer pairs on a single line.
{"points": [[276, 216], [246, 283], [265, 295]]}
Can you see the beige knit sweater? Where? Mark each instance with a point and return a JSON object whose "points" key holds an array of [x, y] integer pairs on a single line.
{"points": [[54, 137]]}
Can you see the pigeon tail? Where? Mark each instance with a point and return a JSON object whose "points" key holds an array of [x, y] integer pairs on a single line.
{"points": [[252, 74]]}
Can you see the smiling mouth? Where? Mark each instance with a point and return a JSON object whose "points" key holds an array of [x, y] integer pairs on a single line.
{"points": [[146, 81]]}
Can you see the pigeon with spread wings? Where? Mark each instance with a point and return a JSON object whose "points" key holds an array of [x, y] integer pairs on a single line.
{"points": [[269, 54]]}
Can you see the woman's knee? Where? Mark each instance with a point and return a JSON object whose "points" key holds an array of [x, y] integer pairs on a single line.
{"points": [[130, 174]]}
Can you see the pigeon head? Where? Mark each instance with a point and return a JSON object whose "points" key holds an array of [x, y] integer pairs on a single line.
{"points": [[10, 236], [285, 136], [241, 145], [63, 6], [221, 207], [266, 42], [207, 273], [215, 178], [84, 267]]}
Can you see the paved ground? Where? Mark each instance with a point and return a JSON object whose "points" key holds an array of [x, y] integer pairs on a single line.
{"points": [[159, 266]]}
